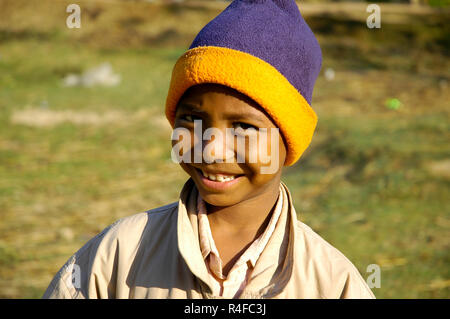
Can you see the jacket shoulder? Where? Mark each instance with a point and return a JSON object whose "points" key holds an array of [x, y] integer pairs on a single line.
{"points": [[321, 246], [337, 274], [135, 224], [99, 254], [130, 230]]}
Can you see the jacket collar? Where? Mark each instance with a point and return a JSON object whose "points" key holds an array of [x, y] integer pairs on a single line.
{"points": [[274, 267], [187, 232]]}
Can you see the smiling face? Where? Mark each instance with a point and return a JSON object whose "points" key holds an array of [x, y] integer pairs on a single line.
{"points": [[231, 181]]}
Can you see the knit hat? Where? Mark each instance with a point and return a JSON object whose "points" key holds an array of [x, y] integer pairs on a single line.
{"points": [[265, 50]]}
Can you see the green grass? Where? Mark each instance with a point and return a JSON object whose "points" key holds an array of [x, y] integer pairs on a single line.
{"points": [[374, 182]]}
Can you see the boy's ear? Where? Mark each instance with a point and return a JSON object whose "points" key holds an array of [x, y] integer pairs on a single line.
{"points": [[285, 146]]}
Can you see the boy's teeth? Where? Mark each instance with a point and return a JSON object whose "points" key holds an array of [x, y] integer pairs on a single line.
{"points": [[218, 178]]}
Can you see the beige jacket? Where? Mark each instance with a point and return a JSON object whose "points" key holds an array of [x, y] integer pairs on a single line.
{"points": [[156, 254]]}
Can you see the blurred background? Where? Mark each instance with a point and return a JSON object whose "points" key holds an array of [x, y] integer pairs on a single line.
{"points": [[84, 140]]}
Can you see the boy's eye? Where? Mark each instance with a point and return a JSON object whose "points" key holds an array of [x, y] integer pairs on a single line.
{"points": [[190, 118], [244, 126]]}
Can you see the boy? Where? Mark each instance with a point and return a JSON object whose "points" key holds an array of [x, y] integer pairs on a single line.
{"points": [[234, 232]]}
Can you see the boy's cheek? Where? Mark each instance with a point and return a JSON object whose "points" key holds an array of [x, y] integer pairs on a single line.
{"points": [[269, 163]]}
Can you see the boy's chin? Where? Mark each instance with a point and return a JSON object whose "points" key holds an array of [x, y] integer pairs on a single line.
{"points": [[220, 200]]}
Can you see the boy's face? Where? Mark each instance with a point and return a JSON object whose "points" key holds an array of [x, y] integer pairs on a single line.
{"points": [[231, 181]]}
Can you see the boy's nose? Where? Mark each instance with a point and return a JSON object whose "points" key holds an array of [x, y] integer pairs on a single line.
{"points": [[218, 146]]}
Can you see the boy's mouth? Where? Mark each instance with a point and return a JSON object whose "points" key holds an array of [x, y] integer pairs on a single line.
{"points": [[220, 177], [217, 180]]}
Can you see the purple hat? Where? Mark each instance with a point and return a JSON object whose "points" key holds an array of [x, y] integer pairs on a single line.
{"points": [[265, 50]]}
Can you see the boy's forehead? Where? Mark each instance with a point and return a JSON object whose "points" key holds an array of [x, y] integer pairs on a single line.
{"points": [[200, 90], [198, 97]]}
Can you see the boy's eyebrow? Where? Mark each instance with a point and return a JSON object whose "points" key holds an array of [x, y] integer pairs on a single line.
{"points": [[246, 116], [190, 107], [187, 106]]}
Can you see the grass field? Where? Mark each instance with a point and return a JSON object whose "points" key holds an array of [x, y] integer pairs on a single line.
{"points": [[374, 183]]}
